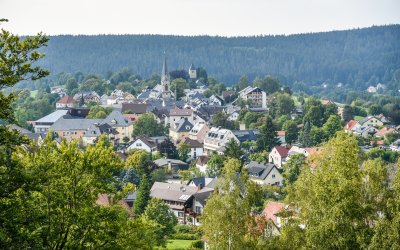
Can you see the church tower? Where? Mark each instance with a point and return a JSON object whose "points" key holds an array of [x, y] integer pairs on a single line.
{"points": [[165, 80]]}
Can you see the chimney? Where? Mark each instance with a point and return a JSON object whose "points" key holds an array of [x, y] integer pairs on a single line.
{"points": [[200, 187]]}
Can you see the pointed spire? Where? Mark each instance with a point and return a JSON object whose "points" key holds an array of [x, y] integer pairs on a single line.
{"points": [[164, 68]]}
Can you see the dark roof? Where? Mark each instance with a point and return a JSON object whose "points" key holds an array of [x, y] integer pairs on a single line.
{"points": [[182, 126], [192, 143], [202, 195], [136, 108], [208, 111], [246, 135], [202, 160], [79, 112], [192, 67], [146, 140], [203, 182], [259, 170]]}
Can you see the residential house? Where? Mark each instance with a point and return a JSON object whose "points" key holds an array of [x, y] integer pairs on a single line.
{"points": [[177, 114], [196, 148], [246, 135], [43, 124], [254, 96], [178, 197], [201, 182], [273, 212], [384, 131], [144, 143], [36, 137], [121, 124], [216, 139], [170, 164], [201, 163], [233, 116], [95, 130], [215, 100], [278, 156], [395, 146], [73, 129], [199, 202], [373, 121], [364, 131], [179, 130], [59, 90], [264, 173], [66, 102], [88, 96], [199, 131]]}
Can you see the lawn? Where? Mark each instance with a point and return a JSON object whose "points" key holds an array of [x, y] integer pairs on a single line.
{"points": [[178, 244], [358, 118]]}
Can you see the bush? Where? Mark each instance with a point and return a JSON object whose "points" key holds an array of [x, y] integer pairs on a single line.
{"points": [[198, 244], [183, 228]]}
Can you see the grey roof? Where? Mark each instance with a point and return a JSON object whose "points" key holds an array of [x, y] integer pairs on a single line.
{"points": [[73, 124], [172, 191], [166, 104], [131, 196], [246, 135], [19, 129], [53, 117], [164, 162], [182, 125], [203, 182], [202, 195], [144, 95], [116, 119], [146, 140], [192, 143], [136, 108], [259, 170]]}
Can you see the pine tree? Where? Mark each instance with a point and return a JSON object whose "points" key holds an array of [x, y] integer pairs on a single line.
{"points": [[268, 136], [233, 150], [305, 137], [143, 195]]}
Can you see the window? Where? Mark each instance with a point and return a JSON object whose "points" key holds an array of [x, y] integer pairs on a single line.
{"points": [[138, 144], [273, 176], [180, 214], [198, 209]]}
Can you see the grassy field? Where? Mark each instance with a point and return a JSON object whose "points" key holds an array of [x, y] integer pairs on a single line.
{"points": [[178, 244], [358, 118]]}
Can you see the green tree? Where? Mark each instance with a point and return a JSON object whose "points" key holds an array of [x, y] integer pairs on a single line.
{"points": [[160, 212], [243, 82], [331, 126], [317, 135], [217, 223], [148, 126], [291, 131], [283, 104], [375, 109], [292, 169], [215, 165], [183, 151], [267, 138], [233, 150], [305, 135], [178, 86], [347, 113], [168, 149], [71, 85], [143, 195], [139, 160], [331, 199]]}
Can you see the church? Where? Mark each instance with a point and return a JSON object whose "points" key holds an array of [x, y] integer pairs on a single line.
{"points": [[163, 90]]}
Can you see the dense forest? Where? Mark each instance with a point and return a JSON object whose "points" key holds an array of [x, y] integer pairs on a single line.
{"points": [[356, 58]]}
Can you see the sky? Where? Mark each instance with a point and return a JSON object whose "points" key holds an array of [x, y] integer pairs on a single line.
{"points": [[194, 17]]}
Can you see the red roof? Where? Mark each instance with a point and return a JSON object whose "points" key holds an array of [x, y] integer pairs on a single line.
{"points": [[272, 208], [350, 125], [282, 151], [327, 102], [281, 133], [66, 99], [384, 131]]}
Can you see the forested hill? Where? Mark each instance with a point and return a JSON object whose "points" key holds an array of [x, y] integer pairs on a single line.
{"points": [[354, 57]]}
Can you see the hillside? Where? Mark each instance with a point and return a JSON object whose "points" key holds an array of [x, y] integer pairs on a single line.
{"points": [[356, 57]]}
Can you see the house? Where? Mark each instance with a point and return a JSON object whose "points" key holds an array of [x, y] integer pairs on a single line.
{"points": [[43, 124], [97, 129], [395, 146], [135, 108], [170, 164], [59, 90], [384, 131], [199, 131], [294, 150], [121, 124], [199, 202], [73, 129], [144, 143], [66, 102], [264, 173], [246, 135], [215, 100], [273, 212], [88, 96], [36, 137], [216, 139], [352, 124], [364, 131], [233, 116], [281, 136], [228, 95], [254, 96], [196, 148], [177, 114], [373, 121], [178, 197], [201, 182], [201, 163], [180, 129], [278, 155], [328, 102]]}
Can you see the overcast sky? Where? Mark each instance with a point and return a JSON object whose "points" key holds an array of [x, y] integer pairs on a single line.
{"points": [[194, 17]]}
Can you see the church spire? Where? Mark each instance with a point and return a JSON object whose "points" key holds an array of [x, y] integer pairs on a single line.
{"points": [[164, 72]]}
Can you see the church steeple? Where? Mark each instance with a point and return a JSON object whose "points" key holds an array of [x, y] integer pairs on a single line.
{"points": [[165, 81], [164, 67]]}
